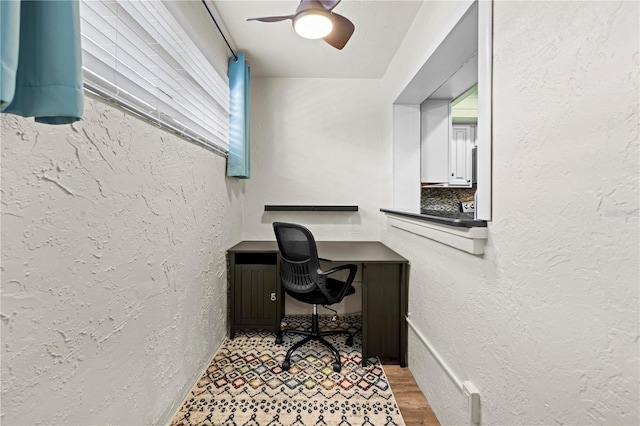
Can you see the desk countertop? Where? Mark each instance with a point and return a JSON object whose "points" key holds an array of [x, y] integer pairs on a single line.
{"points": [[334, 251]]}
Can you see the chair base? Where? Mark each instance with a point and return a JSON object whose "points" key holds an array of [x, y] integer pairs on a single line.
{"points": [[314, 335]]}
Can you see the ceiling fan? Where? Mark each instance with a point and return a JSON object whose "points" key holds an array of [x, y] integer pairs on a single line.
{"points": [[316, 19]]}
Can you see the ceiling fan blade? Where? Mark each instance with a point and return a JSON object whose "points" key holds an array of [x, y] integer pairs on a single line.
{"points": [[271, 18], [329, 4], [342, 30]]}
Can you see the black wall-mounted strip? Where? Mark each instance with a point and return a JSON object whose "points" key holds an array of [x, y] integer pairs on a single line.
{"points": [[303, 208]]}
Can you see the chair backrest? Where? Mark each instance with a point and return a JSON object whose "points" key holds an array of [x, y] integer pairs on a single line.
{"points": [[299, 264]]}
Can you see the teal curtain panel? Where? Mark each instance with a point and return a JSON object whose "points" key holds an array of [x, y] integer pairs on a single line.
{"points": [[238, 162], [41, 60]]}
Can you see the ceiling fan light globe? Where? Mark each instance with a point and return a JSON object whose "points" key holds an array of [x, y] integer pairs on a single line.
{"points": [[313, 24]]}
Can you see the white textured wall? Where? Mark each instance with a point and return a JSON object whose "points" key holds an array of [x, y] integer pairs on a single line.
{"points": [[113, 268], [315, 141], [545, 323]]}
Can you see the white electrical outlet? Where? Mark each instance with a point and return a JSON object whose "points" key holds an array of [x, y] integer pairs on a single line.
{"points": [[473, 401], [467, 207]]}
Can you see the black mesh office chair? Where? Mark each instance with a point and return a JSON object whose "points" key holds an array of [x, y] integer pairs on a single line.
{"points": [[303, 279]]}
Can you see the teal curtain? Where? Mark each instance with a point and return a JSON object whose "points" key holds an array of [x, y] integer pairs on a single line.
{"points": [[238, 162], [41, 73]]}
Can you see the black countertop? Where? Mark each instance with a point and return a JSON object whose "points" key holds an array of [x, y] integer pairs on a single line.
{"points": [[463, 220]]}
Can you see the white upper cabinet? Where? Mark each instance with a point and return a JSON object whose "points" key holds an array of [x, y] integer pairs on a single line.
{"points": [[446, 149]]}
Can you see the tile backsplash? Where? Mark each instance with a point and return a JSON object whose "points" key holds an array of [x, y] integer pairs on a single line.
{"points": [[445, 199]]}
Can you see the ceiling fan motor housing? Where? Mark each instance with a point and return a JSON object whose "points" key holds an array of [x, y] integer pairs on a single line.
{"points": [[315, 19], [312, 20]]}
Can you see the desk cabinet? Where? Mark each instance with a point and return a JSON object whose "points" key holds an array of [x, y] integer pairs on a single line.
{"points": [[255, 294], [382, 307]]}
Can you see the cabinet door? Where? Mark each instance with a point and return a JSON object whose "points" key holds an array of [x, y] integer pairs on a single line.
{"points": [[382, 311], [460, 155], [256, 295]]}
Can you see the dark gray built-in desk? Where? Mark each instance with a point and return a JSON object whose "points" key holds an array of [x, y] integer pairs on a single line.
{"points": [[256, 299]]}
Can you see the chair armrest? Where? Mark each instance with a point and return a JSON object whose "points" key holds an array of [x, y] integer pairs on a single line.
{"points": [[347, 284], [352, 270]]}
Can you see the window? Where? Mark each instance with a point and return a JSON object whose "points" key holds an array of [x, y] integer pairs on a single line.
{"points": [[136, 54], [461, 59]]}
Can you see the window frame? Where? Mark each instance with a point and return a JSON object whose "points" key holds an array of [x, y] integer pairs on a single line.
{"points": [[406, 113]]}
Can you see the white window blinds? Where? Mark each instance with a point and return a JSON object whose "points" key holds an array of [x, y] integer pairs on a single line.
{"points": [[136, 54]]}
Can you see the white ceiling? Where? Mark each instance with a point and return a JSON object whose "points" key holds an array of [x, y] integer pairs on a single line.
{"points": [[275, 50]]}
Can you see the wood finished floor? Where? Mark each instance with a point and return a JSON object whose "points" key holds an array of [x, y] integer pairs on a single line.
{"points": [[413, 405]]}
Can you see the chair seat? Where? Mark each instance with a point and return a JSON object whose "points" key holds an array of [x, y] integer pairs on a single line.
{"points": [[316, 297]]}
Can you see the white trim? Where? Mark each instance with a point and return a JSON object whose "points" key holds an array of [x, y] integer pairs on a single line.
{"points": [[484, 135], [414, 92], [406, 156], [435, 355], [471, 240]]}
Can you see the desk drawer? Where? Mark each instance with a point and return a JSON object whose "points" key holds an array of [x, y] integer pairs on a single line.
{"points": [[256, 258]]}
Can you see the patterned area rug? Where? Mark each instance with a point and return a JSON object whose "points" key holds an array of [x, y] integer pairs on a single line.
{"points": [[244, 385]]}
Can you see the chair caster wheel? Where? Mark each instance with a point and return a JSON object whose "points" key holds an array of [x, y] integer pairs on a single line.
{"points": [[336, 367], [286, 365], [279, 339], [350, 341]]}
